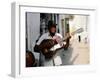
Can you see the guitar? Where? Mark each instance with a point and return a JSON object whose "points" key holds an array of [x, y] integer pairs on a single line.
{"points": [[49, 47]]}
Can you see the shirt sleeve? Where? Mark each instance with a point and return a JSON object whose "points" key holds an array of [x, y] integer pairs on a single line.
{"points": [[60, 36], [40, 39]]}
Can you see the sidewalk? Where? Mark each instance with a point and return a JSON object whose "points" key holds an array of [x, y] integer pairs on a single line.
{"points": [[78, 53]]}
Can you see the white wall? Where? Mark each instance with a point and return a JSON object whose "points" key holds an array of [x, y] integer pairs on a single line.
{"points": [[79, 21], [33, 26]]}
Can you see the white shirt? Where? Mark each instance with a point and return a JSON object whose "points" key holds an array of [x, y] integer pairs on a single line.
{"points": [[47, 36]]}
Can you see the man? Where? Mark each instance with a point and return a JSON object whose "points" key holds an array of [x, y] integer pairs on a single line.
{"points": [[79, 38], [57, 38]]}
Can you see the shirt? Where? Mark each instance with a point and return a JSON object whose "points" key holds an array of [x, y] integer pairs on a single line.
{"points": [[47, 35]]}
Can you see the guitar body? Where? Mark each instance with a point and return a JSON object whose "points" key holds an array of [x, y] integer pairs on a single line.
{"points": [[45, 48], [47, 44]]}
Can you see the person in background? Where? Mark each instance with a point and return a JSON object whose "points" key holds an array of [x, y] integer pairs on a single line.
{"points": [[79, 38]]}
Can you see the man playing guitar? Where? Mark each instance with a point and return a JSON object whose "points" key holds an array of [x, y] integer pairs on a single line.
{"points": [[47, 44]]}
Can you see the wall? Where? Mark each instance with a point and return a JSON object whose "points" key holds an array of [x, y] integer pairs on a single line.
{"points": [[33, 27], [79, 21], [62, 17], [33, 31]]}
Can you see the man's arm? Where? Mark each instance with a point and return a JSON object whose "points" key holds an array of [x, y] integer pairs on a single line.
{"points": [[36, 47], [59, 40]]}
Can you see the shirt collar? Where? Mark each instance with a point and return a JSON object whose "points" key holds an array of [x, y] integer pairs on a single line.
{"points": [[50, 35]]}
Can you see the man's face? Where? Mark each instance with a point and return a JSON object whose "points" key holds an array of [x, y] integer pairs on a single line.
{"points": [[53, 30]]}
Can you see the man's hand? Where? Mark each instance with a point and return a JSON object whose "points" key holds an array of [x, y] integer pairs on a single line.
{"points": [[55, 41]]}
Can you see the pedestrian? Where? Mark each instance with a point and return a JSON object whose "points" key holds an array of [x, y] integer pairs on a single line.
{"points": [[79, 38]]}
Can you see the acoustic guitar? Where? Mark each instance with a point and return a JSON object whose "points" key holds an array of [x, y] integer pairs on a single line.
{"points": [[49, 47]]}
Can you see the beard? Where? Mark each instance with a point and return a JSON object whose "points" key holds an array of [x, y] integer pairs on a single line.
{"points": [[52, 33]]}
